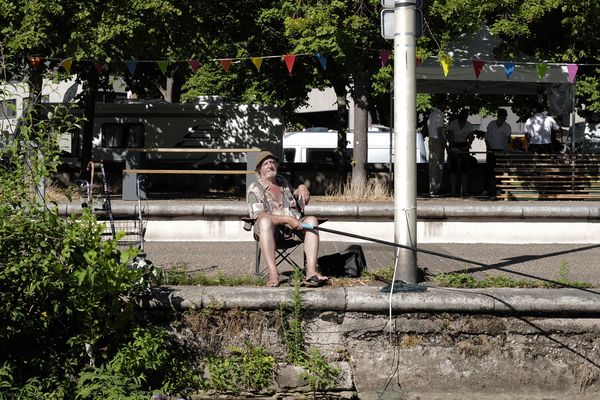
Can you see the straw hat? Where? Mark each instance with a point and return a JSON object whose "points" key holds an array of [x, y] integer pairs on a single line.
{"points": [[262, 156]]}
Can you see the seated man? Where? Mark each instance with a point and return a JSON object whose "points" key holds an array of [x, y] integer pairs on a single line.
{"points": [[278, 214]]}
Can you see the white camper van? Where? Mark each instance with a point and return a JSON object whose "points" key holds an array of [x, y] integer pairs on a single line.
{"points": [[314, 145]]}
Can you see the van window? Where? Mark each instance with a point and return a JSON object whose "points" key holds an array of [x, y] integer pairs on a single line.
{"points": [[319, 155], [289, 155], [122, 135]]}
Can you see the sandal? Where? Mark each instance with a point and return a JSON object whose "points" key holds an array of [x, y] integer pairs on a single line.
{"points": [[314, 281]]}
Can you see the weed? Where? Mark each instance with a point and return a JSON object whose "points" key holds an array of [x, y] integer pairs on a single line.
{"points": [[247, 368], [320, 374]]}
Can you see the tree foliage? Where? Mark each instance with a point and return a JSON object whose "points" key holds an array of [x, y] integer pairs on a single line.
{"points": [[66, 295]]}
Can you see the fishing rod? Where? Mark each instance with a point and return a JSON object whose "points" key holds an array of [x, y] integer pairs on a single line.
{"points": [[435, 253]]}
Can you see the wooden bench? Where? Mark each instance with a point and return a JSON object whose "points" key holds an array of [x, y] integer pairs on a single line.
{"points": [[527, 176], [133, 166]]}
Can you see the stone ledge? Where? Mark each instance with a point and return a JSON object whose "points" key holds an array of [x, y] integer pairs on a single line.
{"points": [[501, 301]]}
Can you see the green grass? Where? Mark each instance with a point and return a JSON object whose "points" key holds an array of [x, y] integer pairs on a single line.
{"points": [[464, 280], [178, 276]]}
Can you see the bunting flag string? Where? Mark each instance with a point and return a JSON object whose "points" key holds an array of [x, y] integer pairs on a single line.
{"points": [[194, 65], [445, 60], [478, 66], [541, 70], [289, 60], [131, 66], [509, 68], [257, 61], [163, 65], [66, 64], [322, 60], [226, 63], [572, 70]]}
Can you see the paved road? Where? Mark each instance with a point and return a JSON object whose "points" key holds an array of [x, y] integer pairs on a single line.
{"points": [[582, 261]]}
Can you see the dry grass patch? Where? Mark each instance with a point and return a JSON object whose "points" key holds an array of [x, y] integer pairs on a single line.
{"points": [[375, 190]]}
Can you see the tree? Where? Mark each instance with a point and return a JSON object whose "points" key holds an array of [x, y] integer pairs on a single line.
{"points": [[348, 33]]}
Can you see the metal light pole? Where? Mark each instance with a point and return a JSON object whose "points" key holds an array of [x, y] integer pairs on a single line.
{"points": [[405, 126]]}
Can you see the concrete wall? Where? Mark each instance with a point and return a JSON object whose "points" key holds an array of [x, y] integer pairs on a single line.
{"points": [[438, 344]]}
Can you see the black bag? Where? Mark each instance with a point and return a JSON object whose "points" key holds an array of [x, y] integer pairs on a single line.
{"points": [[350, 262]]}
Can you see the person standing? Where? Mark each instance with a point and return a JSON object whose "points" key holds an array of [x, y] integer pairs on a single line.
{"points": [[437, 144], [540, 131], [460, 138], [497, 137]]}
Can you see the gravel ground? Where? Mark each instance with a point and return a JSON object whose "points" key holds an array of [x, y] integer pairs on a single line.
{"points": [[580, 262]]}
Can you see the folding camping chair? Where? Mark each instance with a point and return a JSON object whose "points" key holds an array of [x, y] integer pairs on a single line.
{"points": [[284, 249]]}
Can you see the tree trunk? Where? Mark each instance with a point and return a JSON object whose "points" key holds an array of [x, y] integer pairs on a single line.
{"points": [[341, 161], [172, 90], [90, 90], [361, 127]]}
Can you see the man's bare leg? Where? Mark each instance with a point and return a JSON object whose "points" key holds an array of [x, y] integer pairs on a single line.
{"points": [[266, 241], [311, 248]]}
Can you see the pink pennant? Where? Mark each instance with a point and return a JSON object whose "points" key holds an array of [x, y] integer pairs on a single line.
{"points": [[194, 65], [226, 63], [572, 70], [478, 66], [289, 60], [384, 56]]}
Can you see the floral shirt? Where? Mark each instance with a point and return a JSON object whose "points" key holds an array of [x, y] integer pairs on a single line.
{"points": [[261, 200]]}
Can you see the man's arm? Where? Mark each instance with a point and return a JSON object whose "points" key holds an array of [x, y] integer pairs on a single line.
{"points": [[303, 195]]}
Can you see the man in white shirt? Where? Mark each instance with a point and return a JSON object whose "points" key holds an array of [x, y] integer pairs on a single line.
{"points": [[539, 131], [437, 144], [497, 137]]}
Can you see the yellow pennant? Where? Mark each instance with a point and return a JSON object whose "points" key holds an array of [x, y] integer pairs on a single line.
{"points": [[257, 61], [446, 62], [66, 64]]}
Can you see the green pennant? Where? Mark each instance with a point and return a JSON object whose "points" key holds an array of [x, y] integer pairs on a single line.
{"points": [[162, 65], [541, 70]]}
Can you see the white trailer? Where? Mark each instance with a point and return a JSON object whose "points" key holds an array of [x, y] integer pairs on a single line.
{"points": [[314, 145], [208, 123]]}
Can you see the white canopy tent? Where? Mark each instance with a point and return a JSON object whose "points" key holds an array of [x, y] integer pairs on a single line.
{"points": [[492, 79]]}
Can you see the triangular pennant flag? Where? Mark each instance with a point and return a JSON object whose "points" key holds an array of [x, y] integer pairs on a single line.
{"points": [[131, 66], [384, 56], [509, 68], [162, 65], [572, 70], [66, 64], [99, 67], [289, 60], [478, 66], [194, 64], [257, 61], [226, 63], [322, 60], [541, 70], [446, 62]]}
